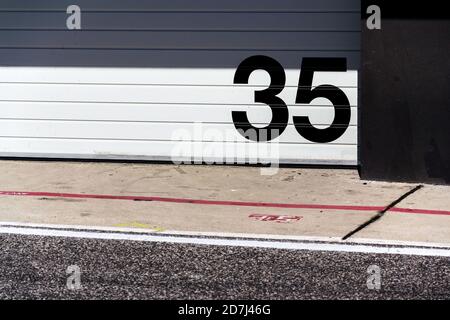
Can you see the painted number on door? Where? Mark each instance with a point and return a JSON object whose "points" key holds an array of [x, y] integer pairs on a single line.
{"points": [[305, 95]]}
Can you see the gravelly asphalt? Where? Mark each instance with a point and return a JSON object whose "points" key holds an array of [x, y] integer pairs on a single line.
{"points": [[35, 267]]}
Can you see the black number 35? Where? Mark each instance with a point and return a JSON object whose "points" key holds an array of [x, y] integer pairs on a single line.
{"points": [[305, 94]]}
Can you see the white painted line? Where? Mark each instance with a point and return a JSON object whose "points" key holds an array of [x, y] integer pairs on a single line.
{"points": [[267, 237], [309, 246], [78, 227]]}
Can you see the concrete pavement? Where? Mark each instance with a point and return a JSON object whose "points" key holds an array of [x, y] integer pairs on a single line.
{"points": [[352, 201]]}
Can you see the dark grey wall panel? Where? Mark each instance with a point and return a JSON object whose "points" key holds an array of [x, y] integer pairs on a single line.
{"points": [[314, 41], [158, 58], [204, 21], [178, 33], [186, 5]]}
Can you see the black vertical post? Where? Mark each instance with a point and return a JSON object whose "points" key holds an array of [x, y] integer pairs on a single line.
{"points": [[404, 113]]}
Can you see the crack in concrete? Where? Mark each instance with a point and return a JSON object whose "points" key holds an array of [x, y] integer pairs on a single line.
{"points": [[381, 213]]}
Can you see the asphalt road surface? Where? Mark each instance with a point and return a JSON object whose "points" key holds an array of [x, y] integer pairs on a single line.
{"points": [[38, 267]]}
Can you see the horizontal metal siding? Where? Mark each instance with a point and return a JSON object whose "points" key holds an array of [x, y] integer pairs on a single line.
{"points": [[185, 5], [186, 21], [181, 40], [197, 34], [163, 151], [110, 112], [161, 113], [175, 58]]}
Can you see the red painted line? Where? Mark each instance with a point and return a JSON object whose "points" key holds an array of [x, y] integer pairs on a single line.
{"points": [[421, 211], [222, 203]]}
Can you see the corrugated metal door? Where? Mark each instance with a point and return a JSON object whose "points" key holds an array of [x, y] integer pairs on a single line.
{"points": [[177, 80]]}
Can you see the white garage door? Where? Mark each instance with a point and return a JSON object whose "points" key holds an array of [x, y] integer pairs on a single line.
{"points": [[200, 80]]}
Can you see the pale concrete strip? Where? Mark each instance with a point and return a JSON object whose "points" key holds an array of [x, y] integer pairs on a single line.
{"points": [[432, 197], [410, 227], [292, 186], [312, 186], [174, 216]]}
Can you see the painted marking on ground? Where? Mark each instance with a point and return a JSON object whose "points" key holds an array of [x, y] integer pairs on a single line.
{"points": [[217, 241], [223, 203], [225, 235], [139, 225], [274, 218]]}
